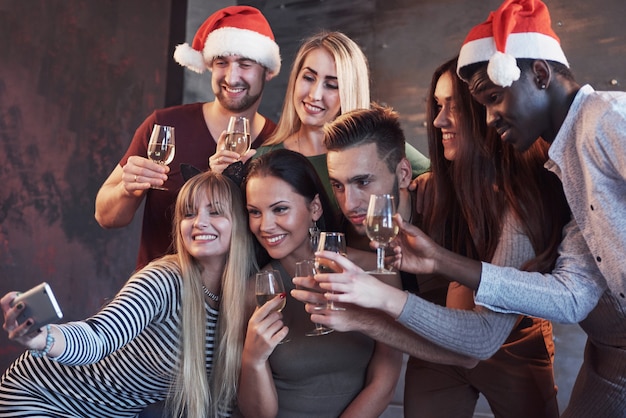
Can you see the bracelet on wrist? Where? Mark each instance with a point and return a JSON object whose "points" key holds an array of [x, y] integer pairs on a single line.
{"points": [[47, 348]]}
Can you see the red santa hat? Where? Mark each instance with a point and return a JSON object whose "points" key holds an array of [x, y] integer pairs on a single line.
{"points": [[235, 30], [517, 29]]}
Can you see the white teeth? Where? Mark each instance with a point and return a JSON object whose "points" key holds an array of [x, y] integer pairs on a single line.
{"points": [[272, 240], [448, 136], [313, 108], [231, 90], [206, 237]]}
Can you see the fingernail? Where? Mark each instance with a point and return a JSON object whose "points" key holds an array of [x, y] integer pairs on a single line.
{"points": [[283, 295]]}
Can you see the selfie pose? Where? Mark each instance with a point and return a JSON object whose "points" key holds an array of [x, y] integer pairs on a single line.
{"points": [[173, 331]]}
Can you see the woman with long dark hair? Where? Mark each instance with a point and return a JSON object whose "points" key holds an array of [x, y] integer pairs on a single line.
{"points": [[330, 375]]}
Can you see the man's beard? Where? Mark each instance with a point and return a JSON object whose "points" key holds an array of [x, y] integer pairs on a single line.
{"points": [[241, 104]]}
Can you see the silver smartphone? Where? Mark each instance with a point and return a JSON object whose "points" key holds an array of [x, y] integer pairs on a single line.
{"points": [[39, 304]]}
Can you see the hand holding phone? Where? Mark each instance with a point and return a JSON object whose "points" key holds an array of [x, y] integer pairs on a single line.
{"points": [[40, 305]]}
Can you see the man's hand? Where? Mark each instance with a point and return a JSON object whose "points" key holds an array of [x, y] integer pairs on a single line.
{"points": [[140, 174]]}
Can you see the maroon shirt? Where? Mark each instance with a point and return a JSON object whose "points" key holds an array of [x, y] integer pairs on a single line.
{"points": [[194, 145]]}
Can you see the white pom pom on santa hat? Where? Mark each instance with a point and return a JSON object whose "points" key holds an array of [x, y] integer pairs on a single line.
{"points": [[502, 69], [517, 29]]}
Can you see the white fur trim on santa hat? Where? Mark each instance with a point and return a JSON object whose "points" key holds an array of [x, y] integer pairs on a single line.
{"points": [[531, 45], [246, 43]]}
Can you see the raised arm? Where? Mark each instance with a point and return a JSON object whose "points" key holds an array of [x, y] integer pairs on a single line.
{"points": [[119, 197], [566, 295], [477, 334], [88, 341], [377, 324]]}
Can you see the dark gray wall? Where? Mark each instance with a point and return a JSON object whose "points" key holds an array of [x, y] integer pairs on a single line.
{"points": [[76, 78]]}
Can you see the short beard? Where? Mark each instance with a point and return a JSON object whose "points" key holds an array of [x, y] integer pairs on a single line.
{"points": [[239, 105]]}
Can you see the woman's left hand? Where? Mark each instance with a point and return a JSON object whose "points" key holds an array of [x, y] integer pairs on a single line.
{"points": [[265, 330]]}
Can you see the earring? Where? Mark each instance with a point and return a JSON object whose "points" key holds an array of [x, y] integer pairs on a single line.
{"points": [[541, 85], [314, 235]]}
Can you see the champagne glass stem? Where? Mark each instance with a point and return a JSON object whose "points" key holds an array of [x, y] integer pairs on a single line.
{"points": [[380, 258]]}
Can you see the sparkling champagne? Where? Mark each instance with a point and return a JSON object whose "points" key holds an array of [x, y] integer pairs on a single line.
{"points": [[262, 299], [381, 229], [162, 154], [238, 142]]}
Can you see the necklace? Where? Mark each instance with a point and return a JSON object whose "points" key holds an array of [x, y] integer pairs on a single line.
{"points": [[215, 298]]}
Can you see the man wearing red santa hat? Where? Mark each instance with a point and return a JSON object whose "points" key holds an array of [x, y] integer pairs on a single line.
{"points": [[237, 45], [514, 65]]}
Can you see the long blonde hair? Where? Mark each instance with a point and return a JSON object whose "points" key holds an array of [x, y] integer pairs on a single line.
{"points": [[194, 394], [352, 78]]}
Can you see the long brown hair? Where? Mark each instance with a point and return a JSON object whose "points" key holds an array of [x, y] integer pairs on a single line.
{"points": [[470, 196]]}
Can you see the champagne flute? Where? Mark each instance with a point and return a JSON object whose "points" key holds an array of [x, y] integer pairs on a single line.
{"points": [[380, 227], [268, 285], [161, 148], [335, 242], [306, 268], [238, 135]]}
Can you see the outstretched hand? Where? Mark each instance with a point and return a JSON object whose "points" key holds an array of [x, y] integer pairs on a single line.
{"points": [[414, 250], [353, 285], [223, 158], [352, 318], [23, 334]]}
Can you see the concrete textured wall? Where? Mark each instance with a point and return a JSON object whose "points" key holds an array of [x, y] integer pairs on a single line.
{"points": [[76, 78]]}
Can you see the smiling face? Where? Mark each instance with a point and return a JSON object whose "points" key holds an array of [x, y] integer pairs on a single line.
{"points": [[206, 232], [237, 82], [316, 91], [519, 113], [279, 217], [447, 116]]}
